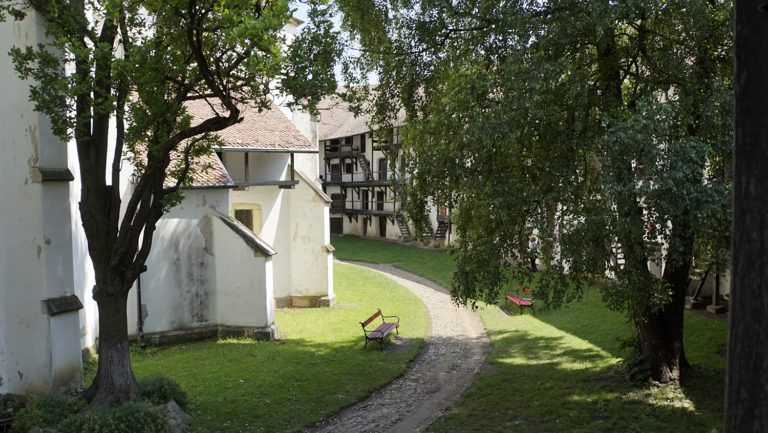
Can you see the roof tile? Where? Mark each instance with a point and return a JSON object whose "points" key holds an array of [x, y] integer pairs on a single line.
{"points": [[266, 130]]}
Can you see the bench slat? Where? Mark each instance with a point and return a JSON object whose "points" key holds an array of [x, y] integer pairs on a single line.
{"points": [[372, 318], [519, 300], [386, 327]]}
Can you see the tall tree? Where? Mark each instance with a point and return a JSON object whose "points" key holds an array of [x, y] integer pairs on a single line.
{"points": [[747, 381], [138, 63], [603, 126]]}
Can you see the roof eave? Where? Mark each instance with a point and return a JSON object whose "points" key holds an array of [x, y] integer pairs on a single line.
{"points": [[262, 149]]}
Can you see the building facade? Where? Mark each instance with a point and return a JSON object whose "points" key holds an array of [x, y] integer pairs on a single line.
{"points": [[362, 172]]}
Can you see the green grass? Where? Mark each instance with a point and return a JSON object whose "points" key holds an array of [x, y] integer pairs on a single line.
{"points": [[317, 368], [432, 264], [560, 371]]}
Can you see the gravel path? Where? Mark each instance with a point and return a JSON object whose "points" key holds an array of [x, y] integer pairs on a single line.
{"points": [[455, 351]]}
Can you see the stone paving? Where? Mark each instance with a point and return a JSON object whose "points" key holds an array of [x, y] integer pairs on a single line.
{"points": [[455, 351]]}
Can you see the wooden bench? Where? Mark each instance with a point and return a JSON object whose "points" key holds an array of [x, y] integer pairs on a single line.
{"points": [[381, 331], [520, 301]]}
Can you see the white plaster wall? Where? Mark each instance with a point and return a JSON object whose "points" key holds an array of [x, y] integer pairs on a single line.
{"points": [[354, 227], [37, 352], [179, 287], [275, 211], [308, 164], [309, 228], [263, 166], [235, 164], [243, 288], [329, 257], [295, 223]]}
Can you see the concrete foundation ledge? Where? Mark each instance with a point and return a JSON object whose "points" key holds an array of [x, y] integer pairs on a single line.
{"points": [[187, 335], [310, 301]]}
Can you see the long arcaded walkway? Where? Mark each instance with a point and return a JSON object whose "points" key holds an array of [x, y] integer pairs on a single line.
{"points": [[455, 350]]}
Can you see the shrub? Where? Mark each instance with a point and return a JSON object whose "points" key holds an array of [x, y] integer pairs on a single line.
{"points": [[46, 410], [128, 418], [158, 389], [637, 367]]}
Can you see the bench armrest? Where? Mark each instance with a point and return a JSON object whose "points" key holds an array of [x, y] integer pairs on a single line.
{"points": [[396, 317]]}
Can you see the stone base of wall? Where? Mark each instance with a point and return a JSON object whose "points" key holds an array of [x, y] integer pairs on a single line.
{"points": [[305, 301], [187, 335]]}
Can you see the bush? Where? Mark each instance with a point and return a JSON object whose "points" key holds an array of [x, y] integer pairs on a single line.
{"points": [[128, 418], [158, 389], [637, 367], [46, 411]]}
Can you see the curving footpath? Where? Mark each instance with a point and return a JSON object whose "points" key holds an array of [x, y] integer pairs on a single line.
{"points": [[455, 351]]}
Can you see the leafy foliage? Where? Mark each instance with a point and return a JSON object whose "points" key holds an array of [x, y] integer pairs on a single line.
{"points": [[65, 413], [159, 389], [47, 410], [128, 418], [604, 128]]}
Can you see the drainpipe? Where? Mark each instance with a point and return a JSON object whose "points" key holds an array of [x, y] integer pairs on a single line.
{"points": [[140, 324]]}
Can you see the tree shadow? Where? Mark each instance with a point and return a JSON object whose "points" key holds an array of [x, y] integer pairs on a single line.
{"points": [[545, 384], [562, 382]]}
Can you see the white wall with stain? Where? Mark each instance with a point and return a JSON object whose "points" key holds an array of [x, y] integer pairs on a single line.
{"points": [[38, 351], [244, 281], [178, 288]]}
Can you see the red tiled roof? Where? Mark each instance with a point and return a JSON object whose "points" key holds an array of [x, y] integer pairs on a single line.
{"points": [[269, 130], [337, 120], [207, 171]]}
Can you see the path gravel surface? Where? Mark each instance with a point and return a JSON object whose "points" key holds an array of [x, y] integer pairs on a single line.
{"points": [[455, 351]]}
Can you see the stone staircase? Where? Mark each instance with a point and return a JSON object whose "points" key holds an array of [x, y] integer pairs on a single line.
{"points": [[402, 223]]}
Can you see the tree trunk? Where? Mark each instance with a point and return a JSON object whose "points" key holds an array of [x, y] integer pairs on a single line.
{"points": [[660, 335], [114, 383], [746, 392]]}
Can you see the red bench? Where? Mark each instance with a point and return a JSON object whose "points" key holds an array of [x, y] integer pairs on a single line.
{"points": [[521, 301], [381, 331]]}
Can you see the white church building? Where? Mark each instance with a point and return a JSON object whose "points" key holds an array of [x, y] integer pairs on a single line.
{"points": [[250, 236]]}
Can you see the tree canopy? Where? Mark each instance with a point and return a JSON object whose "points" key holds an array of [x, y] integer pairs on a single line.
{"points": [[138, 63], [604, 127]]}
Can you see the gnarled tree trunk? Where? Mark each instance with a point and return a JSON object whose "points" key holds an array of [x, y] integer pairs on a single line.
{"points": [[114, 383]]}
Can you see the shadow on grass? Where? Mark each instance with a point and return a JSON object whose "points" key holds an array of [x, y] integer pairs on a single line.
{"points": [[558, 383], [701, 387], [247, 385]]}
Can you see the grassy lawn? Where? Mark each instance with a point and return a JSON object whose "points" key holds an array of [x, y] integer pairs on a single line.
{"points": [[433, 264], [241, 385], [559, 371]]}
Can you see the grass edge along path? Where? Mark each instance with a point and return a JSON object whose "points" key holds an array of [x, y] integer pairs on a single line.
{"points": [[432, 264], [560, 371], [318, 367]]}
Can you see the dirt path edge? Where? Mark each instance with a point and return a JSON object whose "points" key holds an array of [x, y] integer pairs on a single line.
{"points": [[455, 351]]}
